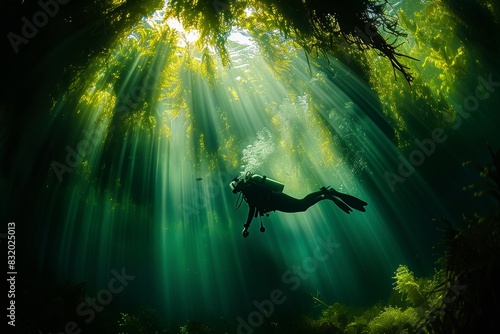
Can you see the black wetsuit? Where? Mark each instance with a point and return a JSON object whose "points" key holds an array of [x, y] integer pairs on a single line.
{"points": [[262, 200]]}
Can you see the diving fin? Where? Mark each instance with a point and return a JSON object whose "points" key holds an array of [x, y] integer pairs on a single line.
{"points": [[350, 200], [340, 204]]}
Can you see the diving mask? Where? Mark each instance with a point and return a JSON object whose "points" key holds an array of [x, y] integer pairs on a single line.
{"points": [[237, 183]]}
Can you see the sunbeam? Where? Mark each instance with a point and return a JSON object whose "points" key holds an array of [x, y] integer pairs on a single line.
{"points": [[147, 135]]}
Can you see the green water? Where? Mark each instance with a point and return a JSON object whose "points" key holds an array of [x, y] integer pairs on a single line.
{"points": [[129, 171]]}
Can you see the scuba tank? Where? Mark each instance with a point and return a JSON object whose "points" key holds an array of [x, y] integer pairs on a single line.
{"points": [[267, 183], [262, 181]]}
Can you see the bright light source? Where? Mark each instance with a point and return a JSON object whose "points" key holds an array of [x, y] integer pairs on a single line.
{"points": [[187, 36]]}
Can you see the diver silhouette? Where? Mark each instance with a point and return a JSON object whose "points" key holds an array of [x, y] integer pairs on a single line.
{"points": [[264, 195]]}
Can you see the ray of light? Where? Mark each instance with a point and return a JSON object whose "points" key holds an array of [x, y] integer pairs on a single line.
{"points": [[158, 202]]}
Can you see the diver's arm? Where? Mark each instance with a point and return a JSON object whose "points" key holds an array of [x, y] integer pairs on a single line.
{"points": [[251, 214]]}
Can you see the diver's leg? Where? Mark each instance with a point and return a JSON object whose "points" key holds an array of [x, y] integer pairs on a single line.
{"points": [[313, 195], [350, 200], [286, 203]]}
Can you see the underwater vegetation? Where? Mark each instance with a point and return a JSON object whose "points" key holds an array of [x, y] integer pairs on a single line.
{"points": [[164, 97], [369, 37], [461, 296]]}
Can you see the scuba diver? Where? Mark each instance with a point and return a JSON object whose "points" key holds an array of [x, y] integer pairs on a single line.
{"points": [[264, 195]]}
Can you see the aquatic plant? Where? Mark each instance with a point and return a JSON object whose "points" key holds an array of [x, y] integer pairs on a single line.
{"points": [[445, 62], [415, 291], [195, 327], [146, 320], [490, 174], [394, 320], [335, 317], [419, 294], [116, 60], [471, 265], [317, 26], [461, 297]]}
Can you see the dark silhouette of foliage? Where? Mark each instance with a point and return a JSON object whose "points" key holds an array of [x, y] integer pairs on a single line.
{"points": [[48, 305], [490, 185], [471, 265], [145, 320], [317, 25]]}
